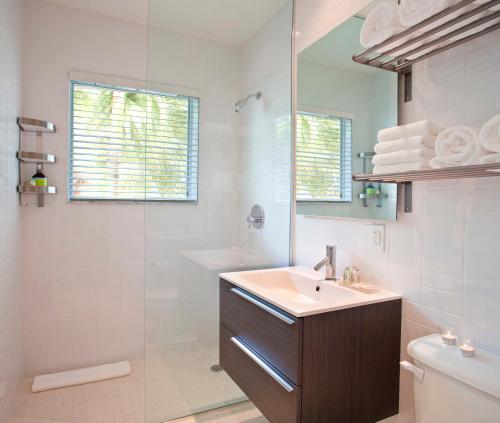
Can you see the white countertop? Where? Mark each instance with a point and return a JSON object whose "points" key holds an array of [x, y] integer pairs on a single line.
{"points": [[294, 290]]}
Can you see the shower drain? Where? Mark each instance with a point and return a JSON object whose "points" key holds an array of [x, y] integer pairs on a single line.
{"points": [[216, 368]]}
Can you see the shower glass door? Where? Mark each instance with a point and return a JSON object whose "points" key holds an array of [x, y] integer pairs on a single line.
{"points": [[208, 162]]}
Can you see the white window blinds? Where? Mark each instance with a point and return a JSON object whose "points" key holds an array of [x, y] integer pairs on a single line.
{"points": [[130, 144], [323, 158]]}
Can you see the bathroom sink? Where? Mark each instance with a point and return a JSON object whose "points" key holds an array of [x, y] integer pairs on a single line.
{"points": [[301, 291]]}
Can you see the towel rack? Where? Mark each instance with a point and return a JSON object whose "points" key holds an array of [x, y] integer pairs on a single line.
{"points": [[427, 41], [406, 178], [392, 61]]}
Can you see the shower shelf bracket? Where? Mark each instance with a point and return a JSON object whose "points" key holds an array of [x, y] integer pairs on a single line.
{"points": [[366, 156], [39, 127]]}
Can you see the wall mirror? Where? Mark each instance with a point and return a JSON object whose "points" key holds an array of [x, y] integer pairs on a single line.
{"points": [[341, 105]]}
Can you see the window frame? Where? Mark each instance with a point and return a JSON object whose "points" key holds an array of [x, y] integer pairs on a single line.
{"points": [[91, 80], [331, 113]]}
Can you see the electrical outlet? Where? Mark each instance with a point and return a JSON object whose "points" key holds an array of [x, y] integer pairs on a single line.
{"points": [[376, 237]]}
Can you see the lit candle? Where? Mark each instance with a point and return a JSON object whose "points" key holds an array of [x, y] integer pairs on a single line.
{"points": [[467, 349], [448, 337]]}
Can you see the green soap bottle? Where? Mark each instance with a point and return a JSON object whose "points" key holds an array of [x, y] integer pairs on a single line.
{"points": [[370, 190], [39, 178]]}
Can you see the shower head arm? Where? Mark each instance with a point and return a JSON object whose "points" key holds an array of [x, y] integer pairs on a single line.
{"points": [[241, 104]]}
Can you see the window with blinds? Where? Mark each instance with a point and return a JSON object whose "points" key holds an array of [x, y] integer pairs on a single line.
{"points": [[323, 158], [131, 144]]}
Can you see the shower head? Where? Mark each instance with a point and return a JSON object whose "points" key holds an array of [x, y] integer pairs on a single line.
{"points": [[242, 104]]}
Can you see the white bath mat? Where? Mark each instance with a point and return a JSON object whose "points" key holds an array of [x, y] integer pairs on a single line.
{"points": [[80, 376]]}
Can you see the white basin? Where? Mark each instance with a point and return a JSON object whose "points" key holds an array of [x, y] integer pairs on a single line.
{"points": [[302, 292]]}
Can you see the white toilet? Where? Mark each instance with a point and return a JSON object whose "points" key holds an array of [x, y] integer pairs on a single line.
{"points": [[450, 388]]}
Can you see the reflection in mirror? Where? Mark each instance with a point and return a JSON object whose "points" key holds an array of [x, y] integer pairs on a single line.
{"points": [[341, 105]]}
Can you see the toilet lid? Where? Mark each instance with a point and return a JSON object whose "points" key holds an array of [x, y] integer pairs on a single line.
{"points": [[481, 371]]}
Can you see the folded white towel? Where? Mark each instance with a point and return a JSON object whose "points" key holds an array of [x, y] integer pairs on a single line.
{"points": [[402, 167], [422, 128], [458, 146], [412, 12], [404, 144], [405, 156], [490, 158], [380, 24], [489, 136]]}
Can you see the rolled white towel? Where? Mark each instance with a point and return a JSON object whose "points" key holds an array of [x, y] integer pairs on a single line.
{"points": [[412, 12], [404, 144], [489, 136], [405, 156], [490, 158], [458, 146], [402, 167], [424, 128], [380, 24]]}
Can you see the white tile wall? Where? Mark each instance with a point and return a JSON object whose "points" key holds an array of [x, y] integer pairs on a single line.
{"points": [[443, 256], [10, 286], [83, 279], [265, 128]]}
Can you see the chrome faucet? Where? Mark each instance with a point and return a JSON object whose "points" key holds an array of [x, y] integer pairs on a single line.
{"points": [[330, 262]]}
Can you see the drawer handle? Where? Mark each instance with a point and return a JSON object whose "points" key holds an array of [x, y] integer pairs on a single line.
{"points": [[262, 364], [263, 306]]}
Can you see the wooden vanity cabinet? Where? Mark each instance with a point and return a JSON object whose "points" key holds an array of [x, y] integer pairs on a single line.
{"points": [[335, 367]]}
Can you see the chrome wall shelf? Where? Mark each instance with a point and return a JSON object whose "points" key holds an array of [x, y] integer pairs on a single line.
{"points": [[35, 125], [458, 172], [375, 196], [427, 40], [31, 157], [32, 189], [39, 127], [378, 195]]}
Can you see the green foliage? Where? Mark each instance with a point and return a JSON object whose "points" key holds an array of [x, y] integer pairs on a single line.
{"points": [[318, 157], [131, 144]]}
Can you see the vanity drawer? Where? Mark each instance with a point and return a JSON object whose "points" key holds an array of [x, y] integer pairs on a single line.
{"points": [[277, 398], [272, 333]]}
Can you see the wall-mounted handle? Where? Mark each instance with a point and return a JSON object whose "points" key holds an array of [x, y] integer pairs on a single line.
{"points": [[417, 371], [256, 217], [263, 306], [262, 364]]}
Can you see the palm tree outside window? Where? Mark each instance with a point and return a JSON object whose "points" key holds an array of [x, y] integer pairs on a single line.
{"points": [[131, 144], [323, 157]]}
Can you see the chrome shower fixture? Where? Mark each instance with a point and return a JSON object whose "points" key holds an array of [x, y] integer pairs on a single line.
{"points": [[242, 104]]}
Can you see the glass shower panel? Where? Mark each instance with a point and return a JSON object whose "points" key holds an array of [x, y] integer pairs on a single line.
{"points": [[209, 164]]}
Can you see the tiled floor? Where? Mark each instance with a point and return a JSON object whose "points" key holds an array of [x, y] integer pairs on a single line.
{"points": [[176, 386], [238, 413]]}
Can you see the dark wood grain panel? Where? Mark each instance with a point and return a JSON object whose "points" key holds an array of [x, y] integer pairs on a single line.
{"points": [[275, 403], [351, 364], [277, 341]]}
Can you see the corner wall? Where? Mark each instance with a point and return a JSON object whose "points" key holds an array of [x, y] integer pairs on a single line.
{"points": [[10, 283], [266, 136]]}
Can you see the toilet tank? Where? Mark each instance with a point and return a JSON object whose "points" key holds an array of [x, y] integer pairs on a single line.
{"points": [[454, 389]]}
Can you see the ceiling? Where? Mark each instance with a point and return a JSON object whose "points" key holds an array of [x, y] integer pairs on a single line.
{"points": [[363, 13], [231, 22], [336, 48]]}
